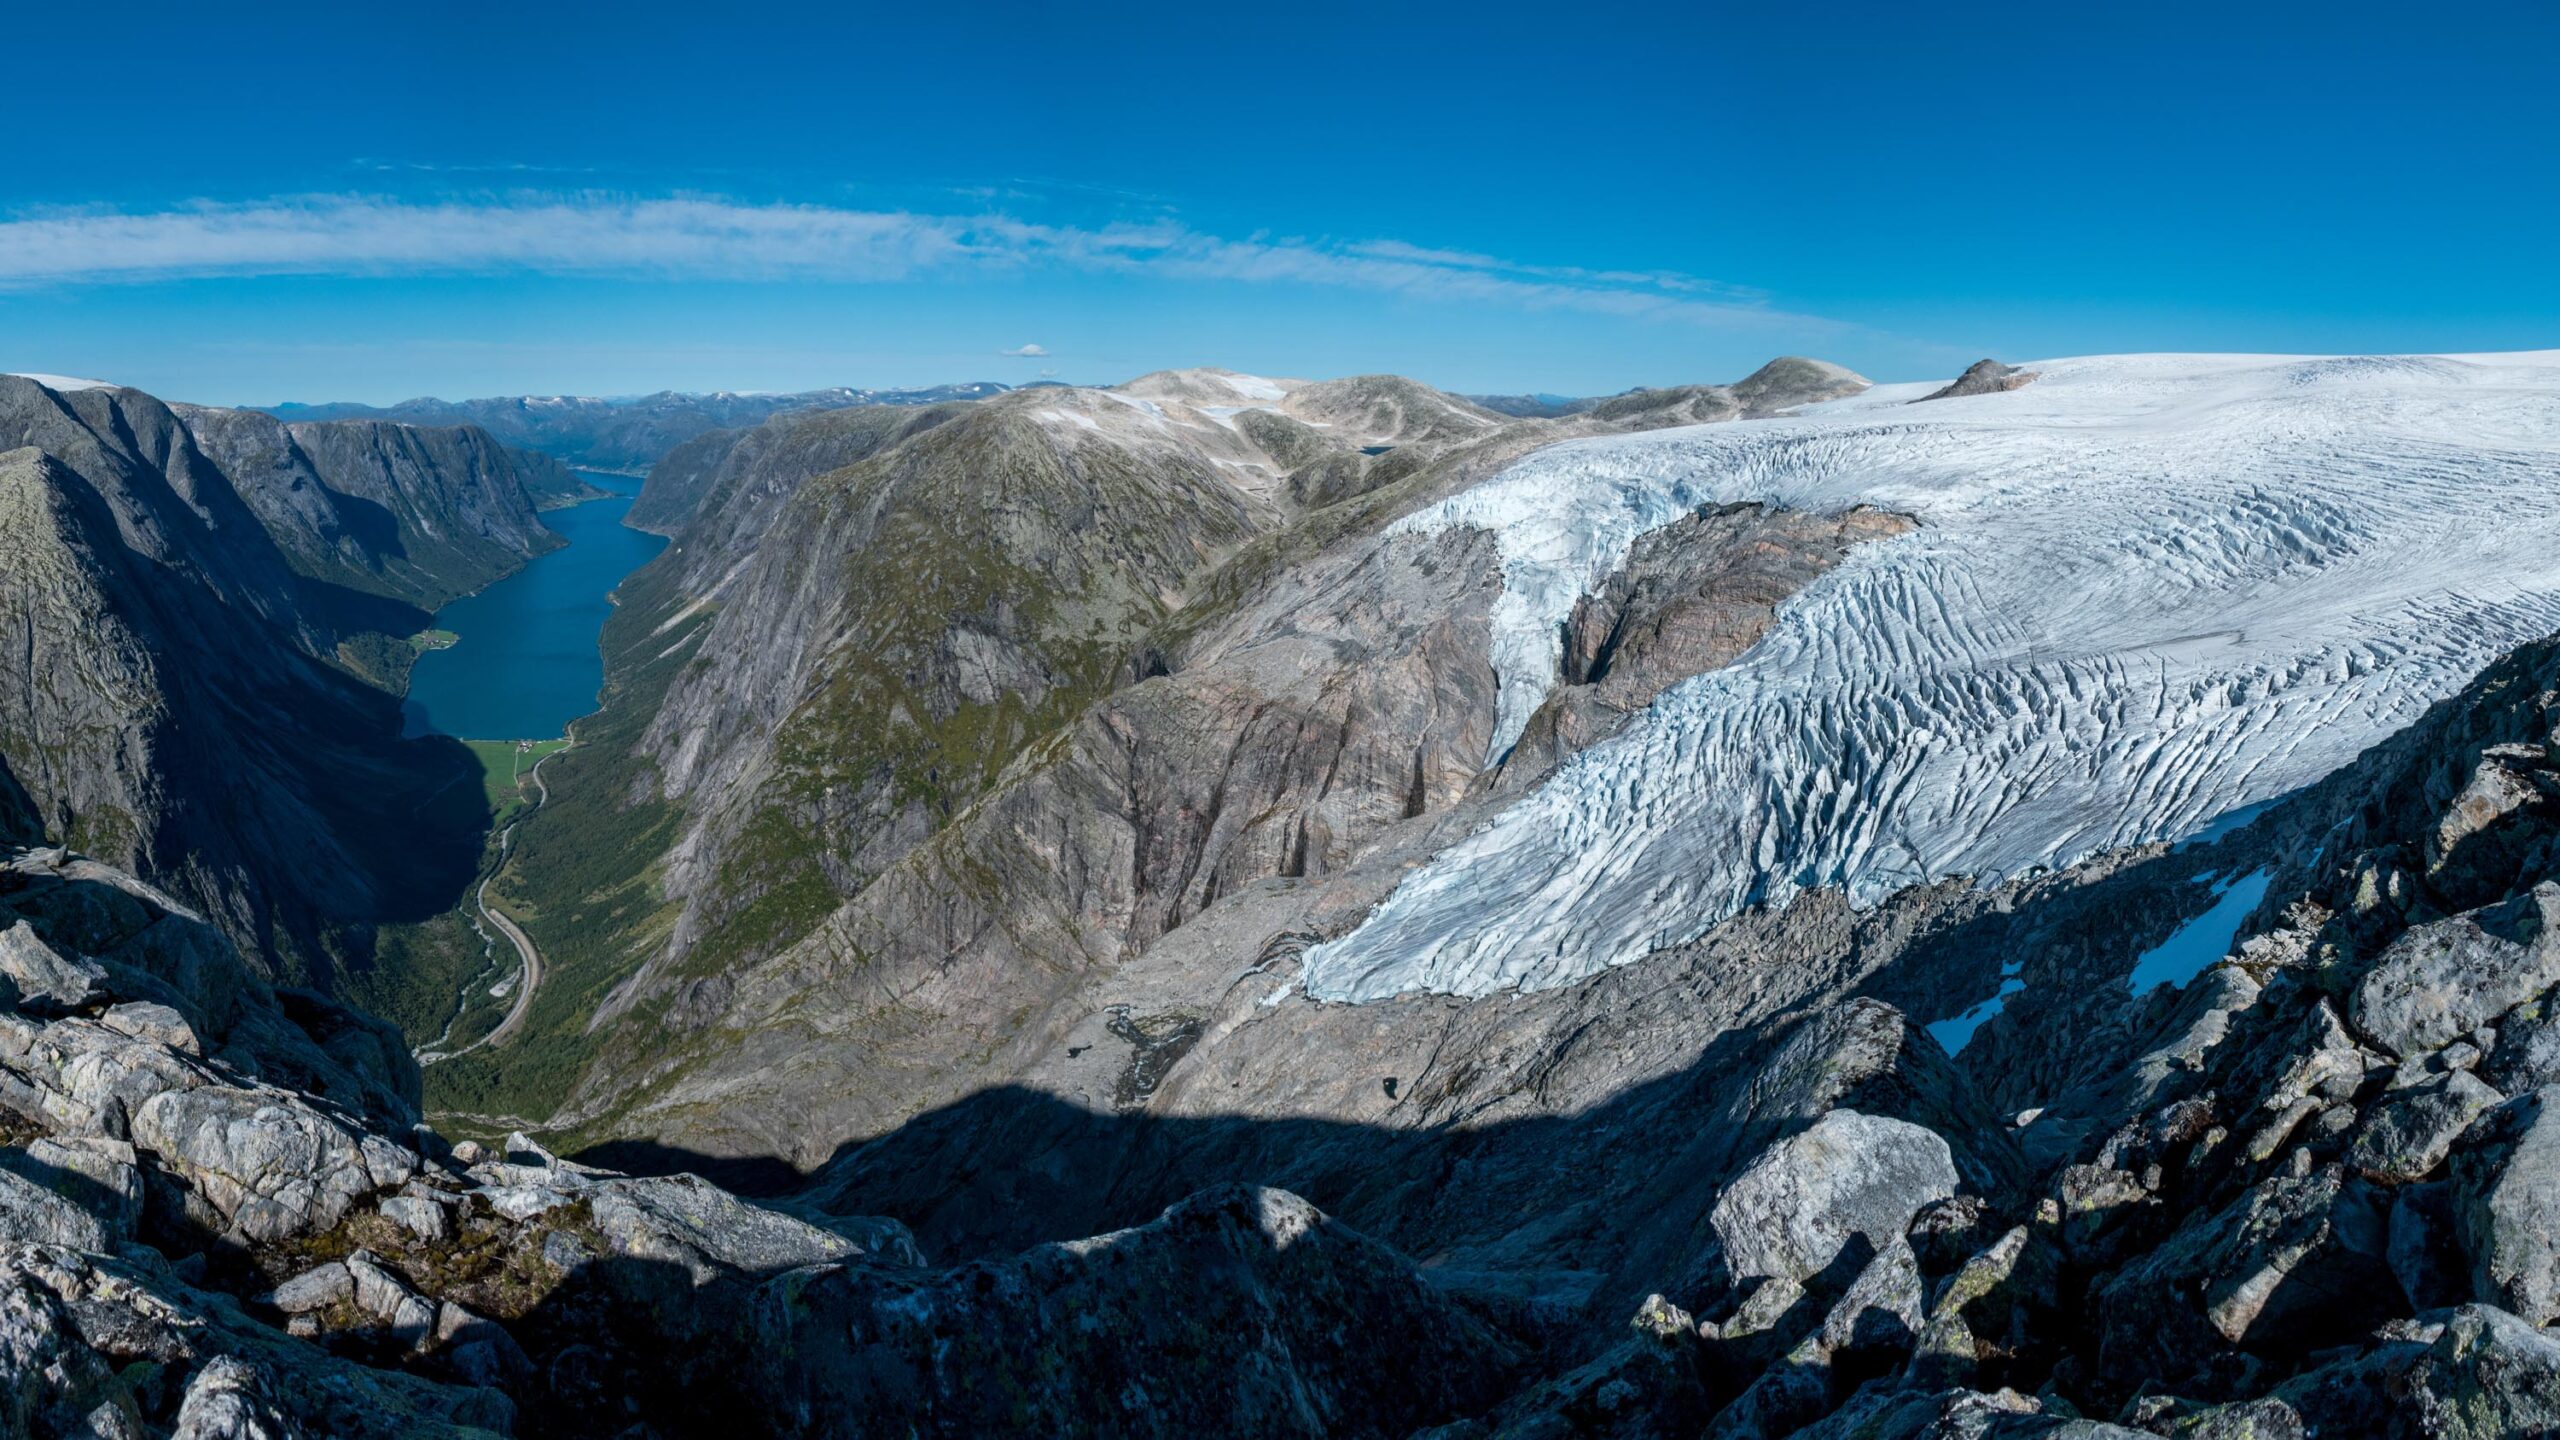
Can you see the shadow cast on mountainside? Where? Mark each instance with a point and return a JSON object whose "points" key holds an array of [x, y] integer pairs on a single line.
{"points": [[1616, 1194], [19, 824], [345, 610], [756, 1176]]}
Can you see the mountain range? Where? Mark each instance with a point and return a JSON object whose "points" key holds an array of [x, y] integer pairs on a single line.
{"points": [[1223, 904], [628, 433]]}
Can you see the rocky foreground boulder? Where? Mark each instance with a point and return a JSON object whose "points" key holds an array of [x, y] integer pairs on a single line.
{"points": [[219, 1217]]}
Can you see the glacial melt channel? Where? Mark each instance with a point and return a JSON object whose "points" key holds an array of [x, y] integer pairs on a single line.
{"points": [[2145, 590]]}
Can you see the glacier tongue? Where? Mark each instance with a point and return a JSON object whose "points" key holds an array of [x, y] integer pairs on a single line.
{"points": [[2145, 590]]}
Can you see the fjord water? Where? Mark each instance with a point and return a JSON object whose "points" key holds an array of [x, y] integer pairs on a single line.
{"points": [[527, 663]]}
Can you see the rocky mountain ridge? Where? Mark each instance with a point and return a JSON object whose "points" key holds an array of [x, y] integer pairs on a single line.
{"points": [[629, 433], [417, 514]]}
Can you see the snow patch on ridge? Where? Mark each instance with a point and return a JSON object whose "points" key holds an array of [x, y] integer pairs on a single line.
{"points": [[2144, 590], [64, 382]]}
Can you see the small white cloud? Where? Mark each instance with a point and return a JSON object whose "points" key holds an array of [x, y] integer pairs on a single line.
{"points": [[1026, 352]]}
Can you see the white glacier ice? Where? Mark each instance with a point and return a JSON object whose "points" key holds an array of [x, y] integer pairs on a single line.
{"points": [[2145, 590]]}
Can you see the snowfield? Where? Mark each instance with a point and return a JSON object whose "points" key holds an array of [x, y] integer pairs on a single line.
{"points": [[2146, 590], [63, 382]]}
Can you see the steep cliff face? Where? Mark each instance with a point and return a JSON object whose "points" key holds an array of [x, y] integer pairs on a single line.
{"points": [[917, 619], [178, 688], [410, 513], [151, 722], [169, 504]]}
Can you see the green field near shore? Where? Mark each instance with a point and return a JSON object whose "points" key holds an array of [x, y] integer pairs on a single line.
{"points": [[506, 771]]}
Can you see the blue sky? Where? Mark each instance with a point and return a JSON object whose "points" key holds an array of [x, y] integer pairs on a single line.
{"points": [[286, 202]]}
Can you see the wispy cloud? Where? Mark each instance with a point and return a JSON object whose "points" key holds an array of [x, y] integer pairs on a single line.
{"points": [[593, 235], [1026, 352]]}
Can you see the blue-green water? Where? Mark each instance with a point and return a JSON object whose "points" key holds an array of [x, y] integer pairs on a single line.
{"points": [[527, 663]]}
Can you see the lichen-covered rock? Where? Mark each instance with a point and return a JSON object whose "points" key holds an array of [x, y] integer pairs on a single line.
{"points": [[2527, 1055], [1791, 1210], [2506, 1207], [317, 1288], [81, 1331], [420, 1215], [2501, 816], [2410, 1132], [228, 1400], [35, 1213], [688, 1222], [2293, 1263], [2489, 1375], [2444, 979], [157, 1023], [34, 977], [271, 1163]]}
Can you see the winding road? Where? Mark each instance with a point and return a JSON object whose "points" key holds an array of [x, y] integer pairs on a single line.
{"points": [[530, 977]]}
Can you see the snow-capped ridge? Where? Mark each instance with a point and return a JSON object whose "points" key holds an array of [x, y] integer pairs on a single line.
{"points": [[65, 382]]}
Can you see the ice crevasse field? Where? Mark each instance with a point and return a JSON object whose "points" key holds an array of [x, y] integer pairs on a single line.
{"points": [[2144, 591]]}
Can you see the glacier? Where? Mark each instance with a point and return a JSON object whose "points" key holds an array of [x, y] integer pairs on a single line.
{"points": [[2144, 591]]}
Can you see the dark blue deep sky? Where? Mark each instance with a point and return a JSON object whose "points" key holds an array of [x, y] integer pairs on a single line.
{"points": [[1898, 187]]}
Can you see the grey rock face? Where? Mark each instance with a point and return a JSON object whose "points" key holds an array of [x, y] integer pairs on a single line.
{"points": [[693, 1224], [228, 1400], [34, 1214], [92, 1346], [2489, 1374], [268, 1161], [101, 1178], [2412, 1131], [41, 979], [2444, 979], [1983, 377], [2527, 1055], [416, 513], [2292, 1261], [2506, 1193], [317, 1288], [1789, 1212]]}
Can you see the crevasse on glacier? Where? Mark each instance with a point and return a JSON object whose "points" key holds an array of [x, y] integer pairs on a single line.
{"points": [[2145, 590]]}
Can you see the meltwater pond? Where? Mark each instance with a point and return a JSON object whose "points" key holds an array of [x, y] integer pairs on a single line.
{"points": [[527, 661]]}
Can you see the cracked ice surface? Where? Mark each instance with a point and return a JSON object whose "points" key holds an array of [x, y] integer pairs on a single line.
{"points": [[2145, 590]]}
